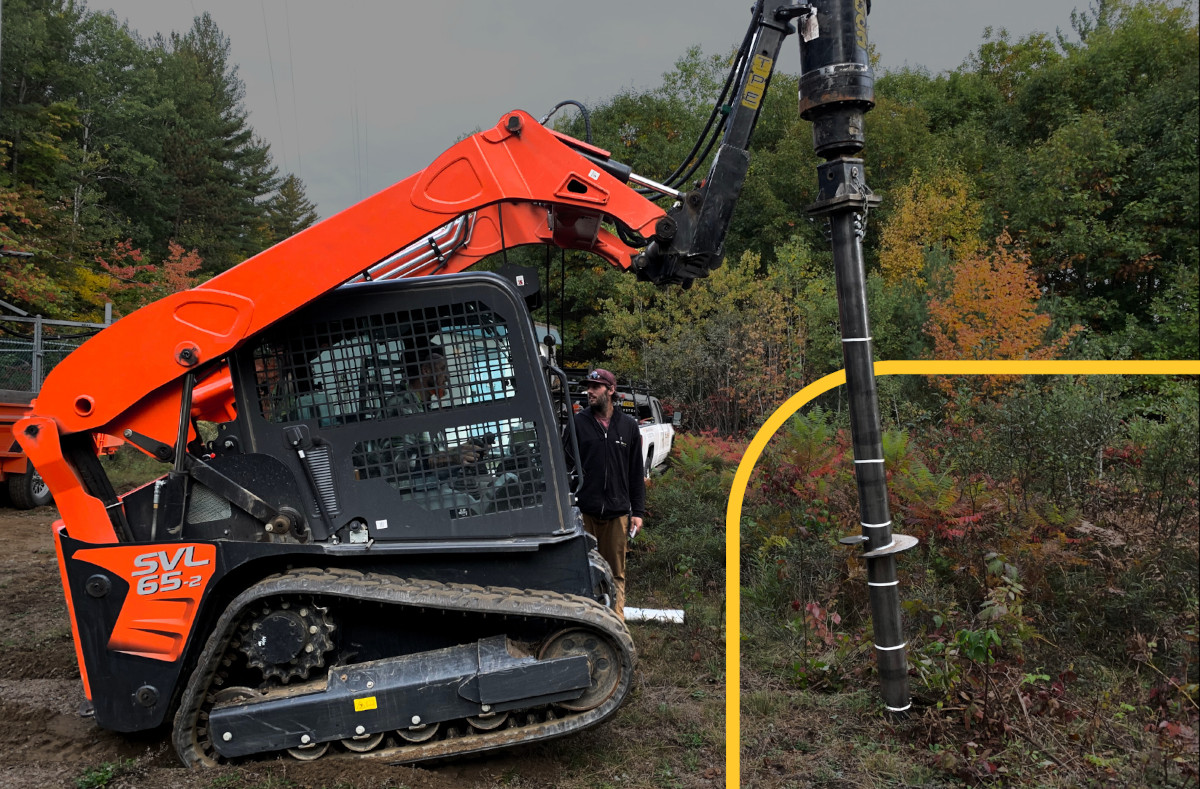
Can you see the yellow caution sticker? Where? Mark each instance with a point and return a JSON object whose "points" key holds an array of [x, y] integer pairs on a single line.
{"points": [[756, 84], [362, 705]]}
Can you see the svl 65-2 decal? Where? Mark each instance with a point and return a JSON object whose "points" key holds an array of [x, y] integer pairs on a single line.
{"points": [[165, 585]]}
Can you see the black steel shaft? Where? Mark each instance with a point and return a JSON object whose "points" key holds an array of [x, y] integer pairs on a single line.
{"points": [[836, 90], [846, 228]]}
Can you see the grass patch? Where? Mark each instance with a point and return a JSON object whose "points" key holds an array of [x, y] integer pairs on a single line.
{"points": [[102, 776], [131, 468]]}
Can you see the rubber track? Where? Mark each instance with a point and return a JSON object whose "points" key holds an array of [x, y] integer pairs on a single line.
{"points": [[570, 610]]}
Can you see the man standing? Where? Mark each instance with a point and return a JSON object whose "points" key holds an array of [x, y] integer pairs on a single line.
{"points": [[613, 495]]}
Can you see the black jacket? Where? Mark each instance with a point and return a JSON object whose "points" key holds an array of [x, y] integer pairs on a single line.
{"points": [[613, 469]]}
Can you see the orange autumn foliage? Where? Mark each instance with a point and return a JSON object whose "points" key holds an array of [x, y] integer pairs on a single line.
{"points": [[134, 283], [989, 311]]}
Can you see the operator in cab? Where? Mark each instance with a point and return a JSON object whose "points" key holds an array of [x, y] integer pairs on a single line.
{"points": [[428, 386]]}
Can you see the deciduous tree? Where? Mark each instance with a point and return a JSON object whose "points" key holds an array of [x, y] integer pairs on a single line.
{"points": [[990, 311], [935, 212], [134, 282]]}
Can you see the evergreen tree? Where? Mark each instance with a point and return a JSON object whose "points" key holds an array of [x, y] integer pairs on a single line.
{"points": [[218, 170], [289, 211], [36, 115]]}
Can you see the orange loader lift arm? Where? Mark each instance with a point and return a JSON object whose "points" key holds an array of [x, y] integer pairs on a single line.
{"points": [[516, 183]]}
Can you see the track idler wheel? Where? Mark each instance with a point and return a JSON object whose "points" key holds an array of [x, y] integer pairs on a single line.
{"points": [[204, 735], [603, 660]]}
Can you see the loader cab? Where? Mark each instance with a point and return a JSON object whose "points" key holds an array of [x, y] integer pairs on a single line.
{"points": [[415, 410]]}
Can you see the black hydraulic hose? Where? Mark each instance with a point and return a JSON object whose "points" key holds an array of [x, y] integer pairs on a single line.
{"points": [[736, 69], [546, 291], [630, 236], [712, 141], [562, 302], [587, 119], [679, 178]]}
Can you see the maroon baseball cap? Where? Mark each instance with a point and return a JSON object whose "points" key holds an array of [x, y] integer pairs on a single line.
{"points": [[600, 376]]}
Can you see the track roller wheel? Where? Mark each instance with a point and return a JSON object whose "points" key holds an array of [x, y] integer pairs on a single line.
{"points": [[363, 742], [488, 721], [309, 753], [421, 733], [602, 658]]}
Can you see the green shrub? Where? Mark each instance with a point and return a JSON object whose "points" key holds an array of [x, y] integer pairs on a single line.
{"points": [[684, 542]]}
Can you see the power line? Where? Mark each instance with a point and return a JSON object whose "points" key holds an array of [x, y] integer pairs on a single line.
{"points": [[292, 72], [354, 129], [271, 62]]}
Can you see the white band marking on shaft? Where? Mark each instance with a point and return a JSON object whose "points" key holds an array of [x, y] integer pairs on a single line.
{"points": [[889, 649]]}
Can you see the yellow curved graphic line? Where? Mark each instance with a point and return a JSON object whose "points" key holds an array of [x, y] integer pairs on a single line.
{"points": [[741, 479]]}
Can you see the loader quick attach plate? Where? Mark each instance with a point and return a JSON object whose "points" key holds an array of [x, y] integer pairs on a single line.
{"points": [[383, 695]]}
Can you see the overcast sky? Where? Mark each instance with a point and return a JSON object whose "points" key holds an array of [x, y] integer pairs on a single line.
{"points": [[355, 95]]}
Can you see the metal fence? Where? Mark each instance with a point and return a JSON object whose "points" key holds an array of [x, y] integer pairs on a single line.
{"points": [[30, 346], [17, 360]]}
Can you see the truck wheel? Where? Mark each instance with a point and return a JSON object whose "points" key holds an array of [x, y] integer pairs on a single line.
{"points": [[28, 490], [649, 461]]}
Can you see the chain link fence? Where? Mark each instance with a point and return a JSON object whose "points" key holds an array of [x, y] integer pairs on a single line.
{"points": [[18, 355], [31, 346]]}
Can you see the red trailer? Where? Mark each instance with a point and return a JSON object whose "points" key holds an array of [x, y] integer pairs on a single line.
{"points": [[25, 487]]}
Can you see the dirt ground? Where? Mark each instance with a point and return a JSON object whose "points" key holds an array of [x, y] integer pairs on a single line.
{"points": [[44, 742]]}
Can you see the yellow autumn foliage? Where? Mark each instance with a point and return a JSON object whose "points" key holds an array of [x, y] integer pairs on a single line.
{"points": [[92, 289], [934, 211]]}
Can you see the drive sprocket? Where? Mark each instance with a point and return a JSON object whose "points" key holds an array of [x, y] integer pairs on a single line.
{"points": [[286, 640]]}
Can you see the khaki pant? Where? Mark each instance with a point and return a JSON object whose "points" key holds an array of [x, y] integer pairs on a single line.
{"points": [[612, 534]]}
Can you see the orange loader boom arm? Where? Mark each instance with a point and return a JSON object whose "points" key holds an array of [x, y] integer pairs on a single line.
{"points": [[516, 183]]}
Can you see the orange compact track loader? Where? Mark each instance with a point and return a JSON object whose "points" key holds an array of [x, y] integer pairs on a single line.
{"points": [[366, 540]]}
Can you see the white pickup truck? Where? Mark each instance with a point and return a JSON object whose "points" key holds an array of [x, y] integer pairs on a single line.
{"points": [[657, 432]]}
